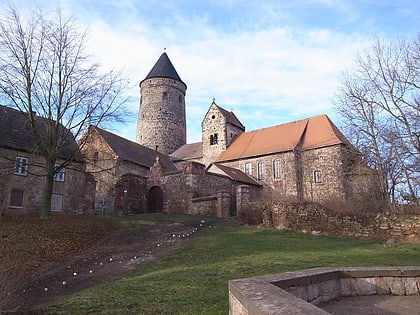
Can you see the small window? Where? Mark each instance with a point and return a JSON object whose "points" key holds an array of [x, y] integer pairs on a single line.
{"points": [[180, 99], [21, 166], [16, 198], [317, 176], [95, 157], [59, 176], [165, 96], [248, 168], [276, 169], [260, 171], [56, 202], [213, 139]]}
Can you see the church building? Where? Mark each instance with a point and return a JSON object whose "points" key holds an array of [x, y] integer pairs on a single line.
{"points": [[307, 160]]}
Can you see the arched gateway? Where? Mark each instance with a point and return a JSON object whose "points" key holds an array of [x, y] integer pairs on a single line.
{"points": [[155, 200]]}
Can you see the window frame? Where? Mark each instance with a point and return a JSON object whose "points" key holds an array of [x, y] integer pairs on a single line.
{"points": [[22, 198], [56, 199], [60, 175], [21, 169], [260, 170], [213, 139], [317, 177], [277, 169], [248, 168]]}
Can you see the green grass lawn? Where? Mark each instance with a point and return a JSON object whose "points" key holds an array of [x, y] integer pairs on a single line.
{"points": [[194, 279]]}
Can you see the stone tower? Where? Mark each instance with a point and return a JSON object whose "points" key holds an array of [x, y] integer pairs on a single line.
{"points": [[161, 123], [218, 129]]}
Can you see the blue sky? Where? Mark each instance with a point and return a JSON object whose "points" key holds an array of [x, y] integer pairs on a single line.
{"points": [[269, 61]]}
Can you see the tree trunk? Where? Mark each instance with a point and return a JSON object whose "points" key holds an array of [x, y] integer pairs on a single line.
{"points": [[48, 190]]}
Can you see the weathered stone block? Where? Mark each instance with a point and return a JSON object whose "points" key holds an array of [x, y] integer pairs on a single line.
{"points": [[365, 286], [397, 286], [383, 285], [411, 287], [348, 287]]}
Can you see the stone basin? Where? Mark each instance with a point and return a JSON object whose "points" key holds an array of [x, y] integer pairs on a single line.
{"points": [[300, 292]]}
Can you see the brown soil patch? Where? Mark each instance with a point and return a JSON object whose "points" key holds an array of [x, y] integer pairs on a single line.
{"points": [[115, 256]]}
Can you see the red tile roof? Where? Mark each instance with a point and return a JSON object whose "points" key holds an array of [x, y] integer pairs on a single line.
{"points": [[314, 132]]}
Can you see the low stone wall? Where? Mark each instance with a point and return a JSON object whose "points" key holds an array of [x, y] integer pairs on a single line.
{"points": [[299, 292], [314, 218]]}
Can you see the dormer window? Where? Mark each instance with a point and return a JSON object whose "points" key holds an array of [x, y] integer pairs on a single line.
{"points": [[165, 96], [213, 139]]}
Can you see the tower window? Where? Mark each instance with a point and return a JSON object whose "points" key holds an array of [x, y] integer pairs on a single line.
{"points": [[179, 98], [165, 96], [317, 177], [213, 139]]}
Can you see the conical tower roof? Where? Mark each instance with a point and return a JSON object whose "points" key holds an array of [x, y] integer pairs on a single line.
{"points": [[163, 69]]}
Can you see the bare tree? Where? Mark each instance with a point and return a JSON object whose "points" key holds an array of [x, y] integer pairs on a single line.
{"points": [[45, 71], [379, 103]]}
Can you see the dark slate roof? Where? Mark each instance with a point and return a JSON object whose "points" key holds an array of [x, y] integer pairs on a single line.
{"points": [[16, 134], [233, 173], [188, 151], [134, 152], [230, 117], [163, 68]]}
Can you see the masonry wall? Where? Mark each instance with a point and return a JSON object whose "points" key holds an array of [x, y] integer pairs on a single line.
{"points": [[108, 170], [192, 191], [161, 122], [336, 179], [76, 192], [330, 162], [316, 219], [213, 123]]}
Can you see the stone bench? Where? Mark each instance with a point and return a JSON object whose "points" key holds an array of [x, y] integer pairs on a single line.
{"points": [[299, 292]]}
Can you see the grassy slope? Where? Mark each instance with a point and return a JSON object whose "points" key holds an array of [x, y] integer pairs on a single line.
{"points": [[194, 281]]}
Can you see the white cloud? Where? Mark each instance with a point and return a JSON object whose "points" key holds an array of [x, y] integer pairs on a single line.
{"points": [[261, 60]]}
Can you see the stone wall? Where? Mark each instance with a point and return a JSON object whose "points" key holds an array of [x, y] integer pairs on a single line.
{"points": [[213, 123], [298, 292], [161, 121], [316, 219], [109, 171], [76, 192]]}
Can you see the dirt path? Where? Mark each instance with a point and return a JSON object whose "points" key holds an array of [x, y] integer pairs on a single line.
{"points": [[113, 257]]}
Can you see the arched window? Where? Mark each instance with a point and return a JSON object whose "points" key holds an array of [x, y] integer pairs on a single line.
{"points": [[317, 176], [260, 170], [276, 169], [165, 96], [213, 139], [248, 168]]}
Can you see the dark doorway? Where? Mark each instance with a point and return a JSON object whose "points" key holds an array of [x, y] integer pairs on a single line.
{"points": [[155, 200]]}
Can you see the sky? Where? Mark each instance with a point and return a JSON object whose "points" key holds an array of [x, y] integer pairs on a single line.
{"points": [[269, 61]]}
